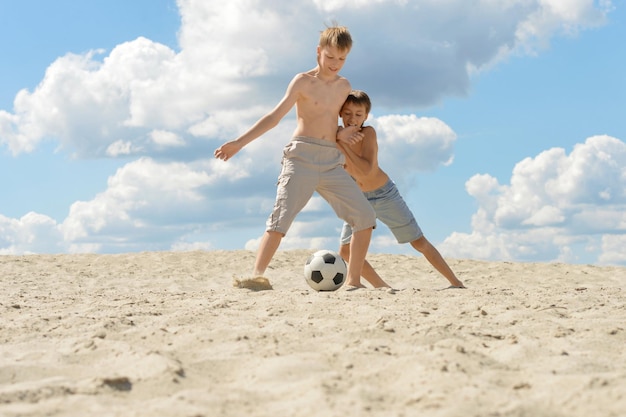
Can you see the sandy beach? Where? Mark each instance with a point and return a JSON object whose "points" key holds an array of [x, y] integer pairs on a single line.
{"points": [[166, 334]]}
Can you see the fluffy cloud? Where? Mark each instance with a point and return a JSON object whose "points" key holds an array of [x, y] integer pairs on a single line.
{"points": [[33, 233], [556, 205], [149, 203], [411, 144]]}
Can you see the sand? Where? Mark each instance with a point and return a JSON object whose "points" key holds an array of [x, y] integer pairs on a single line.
{"points": [[166, 334]]}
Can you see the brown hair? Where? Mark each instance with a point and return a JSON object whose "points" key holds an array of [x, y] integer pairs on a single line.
{"points": [[337, 36], [360, 98]]}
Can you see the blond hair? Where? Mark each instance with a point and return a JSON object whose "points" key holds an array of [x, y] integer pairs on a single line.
{"points": [[336, 36]]}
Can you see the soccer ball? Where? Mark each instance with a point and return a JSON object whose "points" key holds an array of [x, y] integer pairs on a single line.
{"points": [[325, 270]]}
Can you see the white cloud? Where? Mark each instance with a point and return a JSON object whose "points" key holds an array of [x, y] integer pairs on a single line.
{"points": [[410, 144], [613, 250], [32, 233], [120, 148], [555, 202], [139, 196], [166, 139], [566, 16]]}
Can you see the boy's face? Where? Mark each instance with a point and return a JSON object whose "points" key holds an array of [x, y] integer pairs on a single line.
{"points": [[331, 58], [353, 114]]}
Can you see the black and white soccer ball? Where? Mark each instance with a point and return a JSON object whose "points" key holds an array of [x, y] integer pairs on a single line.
{"points": [[325, 270]]}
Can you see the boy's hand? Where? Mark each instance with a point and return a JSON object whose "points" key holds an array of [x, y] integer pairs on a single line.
{"points": [[227, 150], [350, 135]]}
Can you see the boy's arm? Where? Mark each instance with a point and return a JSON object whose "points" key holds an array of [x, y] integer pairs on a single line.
{"points": [[349, 135], [367, 162], [265, 123]]}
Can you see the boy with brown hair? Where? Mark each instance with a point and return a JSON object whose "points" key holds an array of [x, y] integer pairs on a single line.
{"points": [[380, 190], [311, 160]]}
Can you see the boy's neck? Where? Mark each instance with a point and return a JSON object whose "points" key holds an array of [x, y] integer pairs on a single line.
{"points": [[317, 72]]}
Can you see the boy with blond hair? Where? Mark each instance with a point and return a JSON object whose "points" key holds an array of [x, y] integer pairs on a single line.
{"points": [[311, 160]]}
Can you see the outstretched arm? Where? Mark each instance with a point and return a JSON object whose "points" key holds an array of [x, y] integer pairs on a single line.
{"points": [[265, 123]]}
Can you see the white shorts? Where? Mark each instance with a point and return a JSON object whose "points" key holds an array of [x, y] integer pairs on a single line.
{"points": [[309, 165]]}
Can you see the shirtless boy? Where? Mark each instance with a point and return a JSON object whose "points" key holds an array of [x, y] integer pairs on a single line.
{"points": [[381, 192], [311, 160]]}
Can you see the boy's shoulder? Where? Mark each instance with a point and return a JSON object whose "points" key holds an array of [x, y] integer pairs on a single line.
{"points": [[303, 77], [309, 84], [313, 75], [370, 135], [310, 74]]}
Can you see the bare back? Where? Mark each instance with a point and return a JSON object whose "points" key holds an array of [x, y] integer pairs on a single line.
{"points": [[318, 104]]}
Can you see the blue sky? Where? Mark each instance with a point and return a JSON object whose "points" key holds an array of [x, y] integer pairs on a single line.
{"points": [[110, 112]]}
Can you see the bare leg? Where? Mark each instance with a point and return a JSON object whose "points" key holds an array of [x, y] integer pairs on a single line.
{"points": [[269, 244], [433, 256], [368, 272], [359, 244], [268, 247]]}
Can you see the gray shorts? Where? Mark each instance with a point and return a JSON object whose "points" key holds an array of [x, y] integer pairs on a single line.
{"points": [[390, 209], [309, 165]]}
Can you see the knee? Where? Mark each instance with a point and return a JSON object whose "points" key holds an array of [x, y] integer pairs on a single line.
{"points": [[420, 244], [344, 251], [274, 235]]}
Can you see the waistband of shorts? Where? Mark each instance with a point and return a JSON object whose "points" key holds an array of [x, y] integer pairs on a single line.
{"points": [[381, 190], [314, 141]]}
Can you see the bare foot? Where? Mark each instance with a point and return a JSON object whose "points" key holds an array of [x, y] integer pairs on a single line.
{"points": [[457, 284], [254, 284], [350, 287], [453, 287], [388, 290]]}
